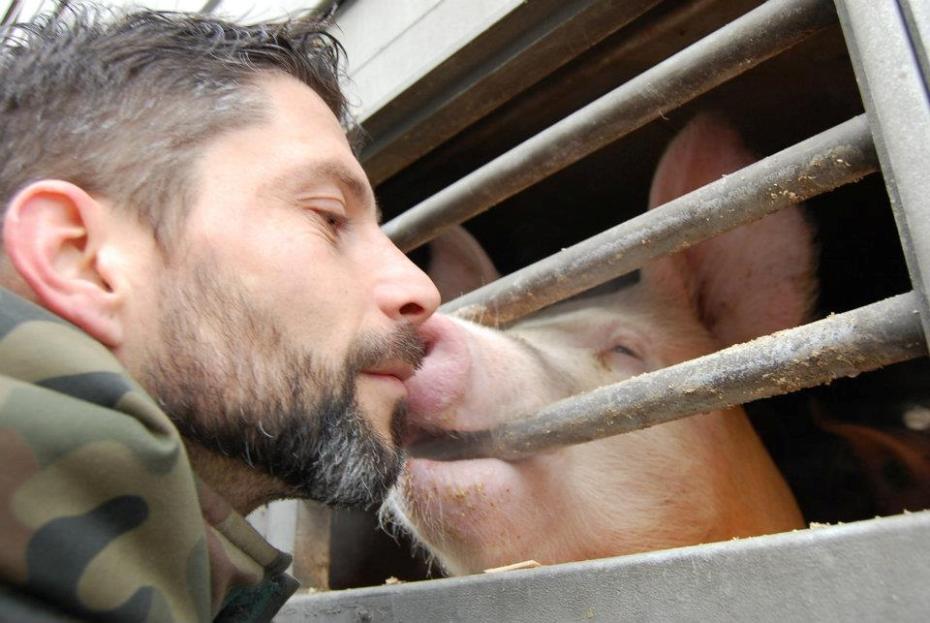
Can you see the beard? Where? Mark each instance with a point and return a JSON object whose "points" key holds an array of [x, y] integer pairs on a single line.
{"points": [[234, 382]]}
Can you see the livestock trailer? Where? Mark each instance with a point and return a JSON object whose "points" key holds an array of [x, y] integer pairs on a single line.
{"points": [[522, 120]]}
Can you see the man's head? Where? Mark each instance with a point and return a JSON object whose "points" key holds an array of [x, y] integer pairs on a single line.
{"points": [[182, 189], [122, 103]]}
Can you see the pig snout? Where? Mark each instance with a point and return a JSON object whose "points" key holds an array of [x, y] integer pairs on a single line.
{"points": [[474, 378], [470, 372], [442, 379]]}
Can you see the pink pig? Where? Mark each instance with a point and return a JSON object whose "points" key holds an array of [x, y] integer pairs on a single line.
{"points": [[700, 479]]}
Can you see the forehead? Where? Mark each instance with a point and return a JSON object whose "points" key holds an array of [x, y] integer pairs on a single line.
{"points": [[298, 120], [295, 139]]}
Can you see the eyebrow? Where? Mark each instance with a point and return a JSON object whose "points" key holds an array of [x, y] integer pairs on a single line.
{"points": [[298, 177]]}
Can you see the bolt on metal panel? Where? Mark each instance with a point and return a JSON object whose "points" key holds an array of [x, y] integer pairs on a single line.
{"points": [[730, 51], [896, 101]]}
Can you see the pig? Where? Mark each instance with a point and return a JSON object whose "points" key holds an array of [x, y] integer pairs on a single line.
{"points": [[699, 479], [894, 463]]}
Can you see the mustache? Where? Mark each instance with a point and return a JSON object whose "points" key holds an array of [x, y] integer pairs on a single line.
{"points": [[403, 344]]}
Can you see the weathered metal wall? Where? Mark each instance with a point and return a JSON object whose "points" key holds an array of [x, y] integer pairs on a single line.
{"points": [[870, 571]]}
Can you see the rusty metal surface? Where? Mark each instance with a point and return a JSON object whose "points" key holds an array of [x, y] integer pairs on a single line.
{"points": [[841, 345], [764, 32], [838, 156]]}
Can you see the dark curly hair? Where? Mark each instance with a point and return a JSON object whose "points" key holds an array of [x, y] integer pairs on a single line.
{"points": [[121, 103]]}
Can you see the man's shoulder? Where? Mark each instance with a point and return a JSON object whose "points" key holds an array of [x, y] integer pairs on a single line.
{"points": [[101, 515], [98, 503]]}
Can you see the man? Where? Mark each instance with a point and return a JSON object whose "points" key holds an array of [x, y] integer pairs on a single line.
{"points": [[189, 245]]}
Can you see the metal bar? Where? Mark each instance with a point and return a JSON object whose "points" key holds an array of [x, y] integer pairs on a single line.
{"points": [[533, 41], [917, 15], [871, 570], [760, 34], [312, 547], [838, 156], [841, 345], [663, 31], [210, 6], [898, 108]]}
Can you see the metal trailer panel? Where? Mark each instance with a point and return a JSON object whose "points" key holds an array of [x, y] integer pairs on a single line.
{"points": [[865, 571], [732, 50], [895, 97]]}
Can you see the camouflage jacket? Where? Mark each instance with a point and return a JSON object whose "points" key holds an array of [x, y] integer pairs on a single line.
{"points": [[101, 517]]}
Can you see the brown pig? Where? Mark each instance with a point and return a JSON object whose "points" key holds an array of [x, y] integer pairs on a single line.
{"points": [[704, 478]]}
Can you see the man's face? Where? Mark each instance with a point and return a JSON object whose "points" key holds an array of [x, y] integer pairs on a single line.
{"points": [[286, 320]]}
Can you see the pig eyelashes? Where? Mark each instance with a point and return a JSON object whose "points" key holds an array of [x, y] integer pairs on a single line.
{"points": [[622, 349], [625, 344], [621, 357]]}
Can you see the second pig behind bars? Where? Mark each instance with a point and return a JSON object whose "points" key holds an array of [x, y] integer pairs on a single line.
{"points": [[704, 478]]}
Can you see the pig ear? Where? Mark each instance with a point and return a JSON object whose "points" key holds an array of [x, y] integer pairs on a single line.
{"points": [[747, 282], [458, 264]]}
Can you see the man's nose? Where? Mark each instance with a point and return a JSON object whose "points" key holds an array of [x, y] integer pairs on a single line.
{"points": [[403, 291]]}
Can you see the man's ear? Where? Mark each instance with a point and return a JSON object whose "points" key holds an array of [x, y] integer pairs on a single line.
{"points": [[55, 235]]}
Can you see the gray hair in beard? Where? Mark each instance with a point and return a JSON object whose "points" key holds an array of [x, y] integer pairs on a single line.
{"points": [[231, 381]]}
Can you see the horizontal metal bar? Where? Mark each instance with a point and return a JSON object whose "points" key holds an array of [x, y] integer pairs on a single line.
{"points": [[744, 43], [873, 570], [838, 156], [531, 42], [841, 345]]}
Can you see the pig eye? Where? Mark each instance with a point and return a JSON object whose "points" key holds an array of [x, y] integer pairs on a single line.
{"points": [[620, 349], [622, 358]]}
